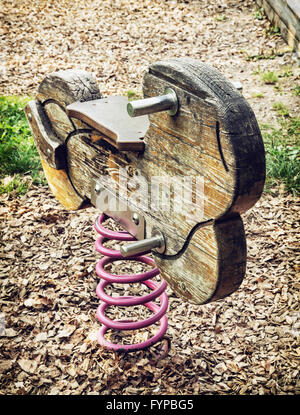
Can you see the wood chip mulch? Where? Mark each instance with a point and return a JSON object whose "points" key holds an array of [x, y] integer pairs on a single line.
{"points": [[245, 344]]}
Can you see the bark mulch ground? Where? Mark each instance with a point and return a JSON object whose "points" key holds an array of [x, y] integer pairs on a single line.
{"points": [[247, 343]]}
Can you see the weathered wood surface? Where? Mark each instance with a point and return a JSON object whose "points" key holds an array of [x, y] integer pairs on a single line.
{"points": [[47, 117], [50, 147], [220, 125], [286, 15], [199, 277], [233, 165], [61, 187], [215, 136]]}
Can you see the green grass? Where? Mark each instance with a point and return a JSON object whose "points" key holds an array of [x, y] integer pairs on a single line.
{"points": [[273, 31], [133, 95], [259, 14], [283, 151], [257, 95], [19, 159], [281, 109], [269, 77], [20, 163], [261, 56], [286, 72], [296, 90], [220, 18], [267, 54]]}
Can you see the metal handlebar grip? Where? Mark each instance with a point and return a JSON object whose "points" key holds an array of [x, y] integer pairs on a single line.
{"points": [[133, 248], [167, 102]]}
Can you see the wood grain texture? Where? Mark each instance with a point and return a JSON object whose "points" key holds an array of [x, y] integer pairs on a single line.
{"points": [[61, 187], [50, 147], [214, 264], [199, 276], [56, 91], [68, 86], [59, 89], [222, 126], [214, 136], [284, 14]]}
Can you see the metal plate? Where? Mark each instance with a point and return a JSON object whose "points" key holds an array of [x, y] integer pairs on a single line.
{"points": [[109, 116], [108, 203]]}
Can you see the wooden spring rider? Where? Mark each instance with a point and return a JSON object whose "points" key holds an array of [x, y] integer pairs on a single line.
{"points": [[175, 170]]}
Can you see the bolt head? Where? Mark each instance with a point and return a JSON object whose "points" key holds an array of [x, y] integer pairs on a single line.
{"points": [[135, 218], [97, 189]]}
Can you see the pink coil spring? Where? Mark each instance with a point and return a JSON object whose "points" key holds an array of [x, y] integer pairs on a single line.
{"points": [[110, 256]]}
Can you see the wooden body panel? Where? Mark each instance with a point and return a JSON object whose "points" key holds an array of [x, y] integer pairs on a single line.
{"points": [[214, 137], [219, 124]]}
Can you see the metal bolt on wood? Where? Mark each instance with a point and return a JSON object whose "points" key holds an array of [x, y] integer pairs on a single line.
{"points": [[167, 102]]}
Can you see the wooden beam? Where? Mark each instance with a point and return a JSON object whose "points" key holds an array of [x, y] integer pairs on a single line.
{"points": [[286, 15]]}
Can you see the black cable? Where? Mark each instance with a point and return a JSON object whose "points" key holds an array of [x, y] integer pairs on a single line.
{"points": [[186, 243]]}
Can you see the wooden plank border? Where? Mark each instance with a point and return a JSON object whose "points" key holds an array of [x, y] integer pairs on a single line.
{"points": [[286, 15]]}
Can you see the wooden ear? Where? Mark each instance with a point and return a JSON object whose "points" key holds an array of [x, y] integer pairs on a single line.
{"points": [[51, 128]]}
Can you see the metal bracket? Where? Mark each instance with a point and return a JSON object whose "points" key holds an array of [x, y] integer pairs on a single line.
{"points": [[109, 116], [109, 203]]}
